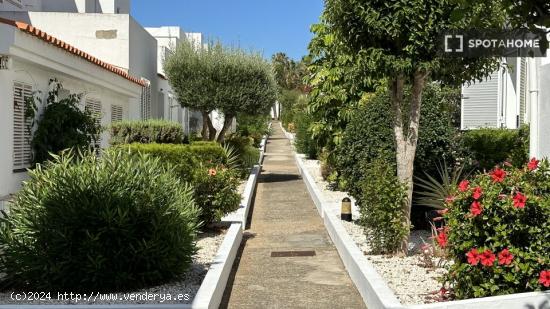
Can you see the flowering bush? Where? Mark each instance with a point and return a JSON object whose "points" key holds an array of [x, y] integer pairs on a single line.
{"points": [[497, 231]]}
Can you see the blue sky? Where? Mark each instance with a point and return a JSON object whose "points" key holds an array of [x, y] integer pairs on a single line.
{"points": [[264, 25]]}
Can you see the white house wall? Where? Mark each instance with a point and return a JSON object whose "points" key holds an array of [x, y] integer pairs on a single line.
{"points": [[480, 103]]}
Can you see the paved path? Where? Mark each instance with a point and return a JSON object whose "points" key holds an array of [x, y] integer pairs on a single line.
{"points": [[284, 218]]}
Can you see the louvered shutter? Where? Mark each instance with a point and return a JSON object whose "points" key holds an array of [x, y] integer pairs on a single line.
{"points": [[146, 101], [21, 126], [522, 90], [116, 113], [480, 103], [94, 107]]}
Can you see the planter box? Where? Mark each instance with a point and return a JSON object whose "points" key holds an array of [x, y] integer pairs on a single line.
{"points": [[241, 214], [372, 287]]}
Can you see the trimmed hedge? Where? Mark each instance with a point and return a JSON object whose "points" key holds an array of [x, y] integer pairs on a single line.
{"points": [[146, 131], [491, 147], [200, 164], [112, 223]]}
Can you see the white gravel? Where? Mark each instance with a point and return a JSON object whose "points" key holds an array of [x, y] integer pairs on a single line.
{"points": [[408, 277], [186, 288]]}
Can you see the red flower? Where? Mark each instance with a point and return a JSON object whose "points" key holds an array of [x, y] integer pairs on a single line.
{"points": [[505, 257], [442, 238], [533, 164], [519, 200], [443, 291], [544, 278], [463, 185], [498, 175], [476, 208], [477, 193], [212, 172], [487, 258], [473, 257]]}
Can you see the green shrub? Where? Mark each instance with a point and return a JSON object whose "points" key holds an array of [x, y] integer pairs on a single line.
{"points": [[381, 207], [369, 135], [215, 196], [289, 100], [253, 126], [304, 141], [61, 125], [104, 224], [216, 192], [183, 162], [245, 148], [490, 147], [497, 232], [146, 131]]}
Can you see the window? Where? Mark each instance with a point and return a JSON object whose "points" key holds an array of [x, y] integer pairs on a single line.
{"points": [[94, 107], [21, 127], [116, 113], [146, 101]]}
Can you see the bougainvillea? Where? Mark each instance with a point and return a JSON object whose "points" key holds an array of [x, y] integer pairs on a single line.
{"points": [[497, 232]]}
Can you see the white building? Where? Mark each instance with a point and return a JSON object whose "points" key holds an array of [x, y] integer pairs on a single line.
{"points": [[29, 58], [103, 28], [516, 94]]}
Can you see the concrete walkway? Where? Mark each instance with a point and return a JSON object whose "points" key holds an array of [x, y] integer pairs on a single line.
{"points": [[284, 218]]}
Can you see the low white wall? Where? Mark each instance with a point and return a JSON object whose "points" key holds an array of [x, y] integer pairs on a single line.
{"points": [[241, 214], [373, 288]]}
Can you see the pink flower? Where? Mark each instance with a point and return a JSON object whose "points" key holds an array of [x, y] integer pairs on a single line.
{"points": [[449, 199], [505, 257], [476, 208], [533, 164], [473, 257], [519, 200], [476, 194], [498, 175], [443, 211], [212, 172], [463, 185]]}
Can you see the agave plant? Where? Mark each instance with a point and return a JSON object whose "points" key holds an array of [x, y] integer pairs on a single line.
{"points": [[232, 155], [435, 190]]}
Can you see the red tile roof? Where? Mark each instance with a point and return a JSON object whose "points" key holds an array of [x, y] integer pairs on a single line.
{"points": [[69, 48]]}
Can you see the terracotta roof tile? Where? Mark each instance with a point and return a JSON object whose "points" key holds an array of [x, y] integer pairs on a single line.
{"points": [[71, 49]]}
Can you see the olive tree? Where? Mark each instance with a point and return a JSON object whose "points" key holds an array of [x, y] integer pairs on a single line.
{"points": [[397, 42], [214, 77]]}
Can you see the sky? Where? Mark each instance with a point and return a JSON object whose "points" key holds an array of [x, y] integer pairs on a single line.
{"points": [[268, 26]]}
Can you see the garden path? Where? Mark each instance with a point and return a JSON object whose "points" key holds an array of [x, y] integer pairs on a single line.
{"points": [[284, 218]]}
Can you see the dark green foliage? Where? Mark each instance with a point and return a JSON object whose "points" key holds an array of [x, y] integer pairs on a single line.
{"points": [[304, 141], [62, 125], [381, 207], [491, 147], [215, 196], [253, 126], [369, 135], [117, 222], [146, 131], [216, 192], [246, 150]]}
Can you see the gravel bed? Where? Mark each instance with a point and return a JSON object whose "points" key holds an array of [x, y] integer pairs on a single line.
{"points": [[408, 276], [186, 288]]}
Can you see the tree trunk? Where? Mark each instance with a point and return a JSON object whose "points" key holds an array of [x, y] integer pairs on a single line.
{"points": [[211, 130], [227, 122], [204, 131], [406, 141]]}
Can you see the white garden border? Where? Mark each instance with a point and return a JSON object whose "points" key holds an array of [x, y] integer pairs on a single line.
{"points": [[209, 295], [373, 289], [241, 215]]}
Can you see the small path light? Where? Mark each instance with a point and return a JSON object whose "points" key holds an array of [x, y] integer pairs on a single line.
{"points": [[345, 212]]}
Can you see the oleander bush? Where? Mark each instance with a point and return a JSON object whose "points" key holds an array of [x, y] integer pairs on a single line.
{"points": [[381, 207], [489, 147], [216, 192], [304, 142], [146, 131], [84, 223], [215, 195], [497, 231]]}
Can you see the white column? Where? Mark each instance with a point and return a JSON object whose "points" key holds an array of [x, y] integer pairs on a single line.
{"points": [[540, 126]]}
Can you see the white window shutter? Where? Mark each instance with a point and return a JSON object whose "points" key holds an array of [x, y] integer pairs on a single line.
{"points": [[116, 113], [94, 107], [22, 152], [146, 101]]}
